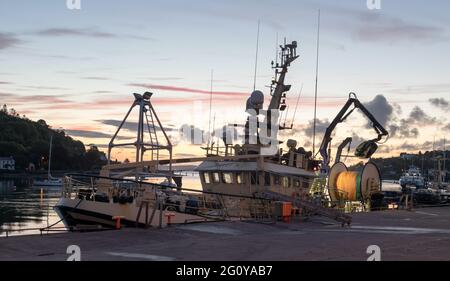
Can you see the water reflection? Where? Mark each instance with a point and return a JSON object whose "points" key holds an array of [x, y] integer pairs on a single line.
{"points": [[21, 207]]}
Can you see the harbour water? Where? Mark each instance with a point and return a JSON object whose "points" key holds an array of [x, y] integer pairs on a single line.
{"points": [[25, 208]]}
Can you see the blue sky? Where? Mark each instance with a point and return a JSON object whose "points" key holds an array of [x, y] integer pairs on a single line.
{"points": [[76, 67]]}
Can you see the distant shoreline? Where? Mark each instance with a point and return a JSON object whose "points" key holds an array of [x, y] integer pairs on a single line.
{"points": [[40, 174]]}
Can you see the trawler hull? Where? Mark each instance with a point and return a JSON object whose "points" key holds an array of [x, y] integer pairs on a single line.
{"points": [[76, 212]]}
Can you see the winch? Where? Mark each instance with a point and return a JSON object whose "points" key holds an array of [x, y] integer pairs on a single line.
{"points": [[353, 185]]}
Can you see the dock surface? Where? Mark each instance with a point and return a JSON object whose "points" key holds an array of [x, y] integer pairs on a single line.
{"points": [[422, 234]]}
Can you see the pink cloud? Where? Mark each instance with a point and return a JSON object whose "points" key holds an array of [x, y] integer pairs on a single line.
{"points": [[11, 98], [188, 90]]}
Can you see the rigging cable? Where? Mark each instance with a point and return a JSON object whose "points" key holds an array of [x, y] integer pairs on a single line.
{"points": [[256, 57], [210, 105], [315, 94], [296, 105]]}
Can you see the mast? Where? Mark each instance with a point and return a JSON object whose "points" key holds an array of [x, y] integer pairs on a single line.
{"points": [[50, 158], [445, 160], [256, 57], [288, 55], [278, 100]]}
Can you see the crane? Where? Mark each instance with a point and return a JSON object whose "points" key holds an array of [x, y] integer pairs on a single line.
{"points": [[365, 149]]}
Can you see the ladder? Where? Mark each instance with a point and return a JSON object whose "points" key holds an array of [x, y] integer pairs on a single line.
{"points": [[334, 214], [145, 203], [148, 221], [222, 204], [153, 136]]}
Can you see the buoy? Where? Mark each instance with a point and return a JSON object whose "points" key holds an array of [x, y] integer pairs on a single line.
{"points": [[353, 185]]}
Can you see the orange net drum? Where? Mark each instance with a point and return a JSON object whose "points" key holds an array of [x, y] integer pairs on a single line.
{"points": [[353, 185]]}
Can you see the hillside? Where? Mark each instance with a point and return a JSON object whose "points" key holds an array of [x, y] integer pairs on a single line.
{"points": [[393, 167], [28, 142]]}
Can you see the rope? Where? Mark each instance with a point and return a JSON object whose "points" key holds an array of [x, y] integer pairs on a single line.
{"points": [[48, 227]]}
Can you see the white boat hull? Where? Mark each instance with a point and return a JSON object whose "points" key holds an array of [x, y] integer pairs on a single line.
{"points": [[46, 183], [80, 212]]}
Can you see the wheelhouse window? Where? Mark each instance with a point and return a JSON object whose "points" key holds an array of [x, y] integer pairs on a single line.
{"points": [[305, 184], [206, 178], [240, 178], [227, 177], [285, 181], [276, 179], [267, 179], [254, 178], [216, 178]]}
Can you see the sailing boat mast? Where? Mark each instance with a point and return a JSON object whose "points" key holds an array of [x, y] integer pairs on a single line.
{"points": [[445, 160], [50, 158]]}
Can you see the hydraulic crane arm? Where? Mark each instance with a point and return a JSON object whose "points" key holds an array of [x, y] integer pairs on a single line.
{"points": [[346, 142], [341, 117]]}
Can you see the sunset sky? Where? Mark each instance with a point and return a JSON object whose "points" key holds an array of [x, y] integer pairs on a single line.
{"points": [[77, 69]]}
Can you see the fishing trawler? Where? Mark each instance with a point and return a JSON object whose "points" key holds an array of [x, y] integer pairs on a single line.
{"points": [[124, 191], [242, 180]]}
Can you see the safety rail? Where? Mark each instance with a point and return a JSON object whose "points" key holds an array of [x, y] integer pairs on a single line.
{"points": [[211, 205]]}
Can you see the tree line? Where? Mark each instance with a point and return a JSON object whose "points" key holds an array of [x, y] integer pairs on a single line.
{"points": [[28, 142]]}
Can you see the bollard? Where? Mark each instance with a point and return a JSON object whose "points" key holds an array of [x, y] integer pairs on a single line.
{"points": [[169, 216], [117, 219]]}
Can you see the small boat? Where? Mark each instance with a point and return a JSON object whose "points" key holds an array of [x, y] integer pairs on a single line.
{"points": [[50, 181], [412, 177], [428, 196]]}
